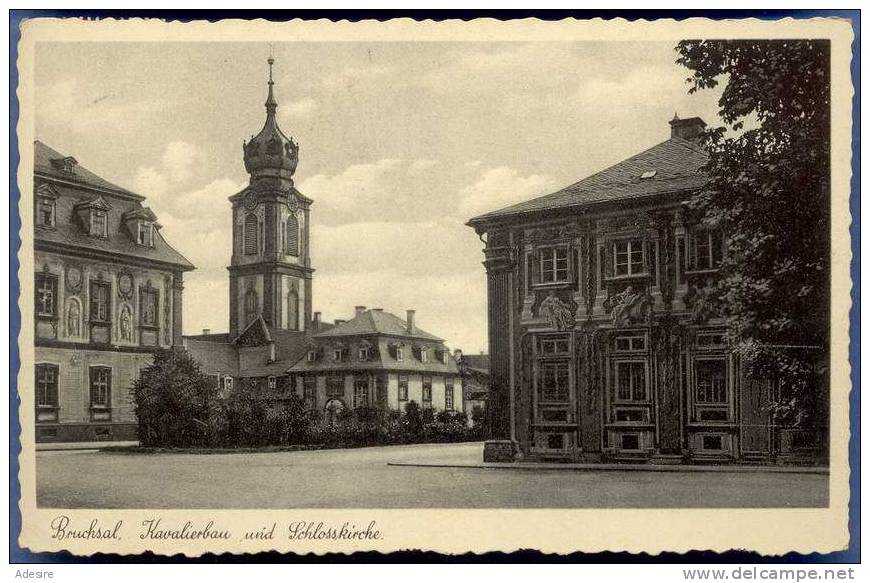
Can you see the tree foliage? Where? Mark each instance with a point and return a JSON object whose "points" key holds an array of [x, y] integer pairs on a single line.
{"points": [[769, 192], [175, 402]]}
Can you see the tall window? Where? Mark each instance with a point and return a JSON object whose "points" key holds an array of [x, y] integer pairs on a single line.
{"points": [[146, 234], [706, 252], [101, 387], [309, 391], [252, 306], [335, 386], [46, 392], [448, 394], [403, 387], [553, 385], [45, 212], [99, 224], [400, 353], [292, 235], [631, 381], [711, 386], [101, 307], [292, 310], [360, 393], [427, 391], [424, 354], [148, 308], [554, 264], [628, 257], [251, 234], [46, 294]]}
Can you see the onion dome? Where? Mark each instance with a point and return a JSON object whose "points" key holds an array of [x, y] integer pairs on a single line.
{"points": [[270, 153]]}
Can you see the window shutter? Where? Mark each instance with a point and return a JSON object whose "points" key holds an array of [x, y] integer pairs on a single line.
{"points": [[292, 235], [251, 225]]}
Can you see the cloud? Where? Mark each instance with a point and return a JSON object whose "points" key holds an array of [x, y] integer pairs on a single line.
{"points": [[67, 104], [298, 108], [500, 187], [179, 159]]}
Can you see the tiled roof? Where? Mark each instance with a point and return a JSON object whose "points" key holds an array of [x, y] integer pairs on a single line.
{"points": [[68, 233], [381, 359], [376, 322], [476, 361], [671, 166]]}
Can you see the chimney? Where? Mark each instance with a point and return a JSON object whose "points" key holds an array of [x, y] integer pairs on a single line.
{"points": [[358, 310], [411, 321], [687, 129], [206, 331], [317, 320]]}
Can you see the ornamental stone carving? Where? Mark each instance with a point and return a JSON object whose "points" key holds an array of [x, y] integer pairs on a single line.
{"points": [[559, 314], [629, 307]]}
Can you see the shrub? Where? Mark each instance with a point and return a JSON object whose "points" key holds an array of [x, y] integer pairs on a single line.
{"points": [[175, 402]]}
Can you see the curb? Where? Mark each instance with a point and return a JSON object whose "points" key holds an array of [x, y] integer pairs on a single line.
{"points": [[624, 468]]}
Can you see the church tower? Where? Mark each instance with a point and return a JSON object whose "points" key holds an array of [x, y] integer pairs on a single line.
{"points": [[270, 269]]}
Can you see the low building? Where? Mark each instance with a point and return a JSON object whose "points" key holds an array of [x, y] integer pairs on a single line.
{"points": [[601, 348], [376, 359], [108, 295]]}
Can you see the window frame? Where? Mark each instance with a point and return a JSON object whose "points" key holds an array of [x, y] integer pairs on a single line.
{"points": [[360, 392], [333, 383], [100, 408], [94, 302], [92, 231], [146, 295], [309, 391], [725, 388], [632, 339], [617, 387], [146, 227], [713, 238], [426, 390], [630, 243], [449, 401], [403, 383], [47, 411], [45, 277], [551, 275], [561, 369], [362, 353], [400, 354]]}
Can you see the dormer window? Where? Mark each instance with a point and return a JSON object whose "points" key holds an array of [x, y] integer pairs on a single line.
{"points": [[400, 353], [363, 353], [99, 223], [338, 354], [424, 354], [66, 165], [45, 212], [145, 235], [312, 356]]}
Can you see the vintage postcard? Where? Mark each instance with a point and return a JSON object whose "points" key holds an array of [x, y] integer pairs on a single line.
{"points": [[455, 286]]}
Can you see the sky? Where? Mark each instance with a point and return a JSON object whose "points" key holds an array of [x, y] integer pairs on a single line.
{"points": [[400, 144]]}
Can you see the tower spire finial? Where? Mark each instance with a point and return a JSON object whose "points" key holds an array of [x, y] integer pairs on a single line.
{"points": [[271, 104]]}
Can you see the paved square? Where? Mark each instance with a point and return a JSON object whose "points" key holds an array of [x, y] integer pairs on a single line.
{"points": [[361, 478]]}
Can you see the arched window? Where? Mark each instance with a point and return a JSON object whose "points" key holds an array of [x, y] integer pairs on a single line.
{"points": [[251, 305], [251, 234], [292, 235], [292, 310]]}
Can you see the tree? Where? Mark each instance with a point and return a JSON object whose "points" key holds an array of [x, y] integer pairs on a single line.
{"points": [[175, 402], [769, 192]]}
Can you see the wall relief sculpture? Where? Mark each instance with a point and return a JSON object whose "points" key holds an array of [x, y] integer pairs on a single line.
{"points": [[559, 314], [629, 307]]}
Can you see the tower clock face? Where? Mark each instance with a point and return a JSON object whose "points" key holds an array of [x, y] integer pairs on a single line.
{"points": [[251, 200]]}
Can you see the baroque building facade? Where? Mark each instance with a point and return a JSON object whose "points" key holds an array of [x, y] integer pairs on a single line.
{"points": [[108, 294], [276, 344], [600, 348]]}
